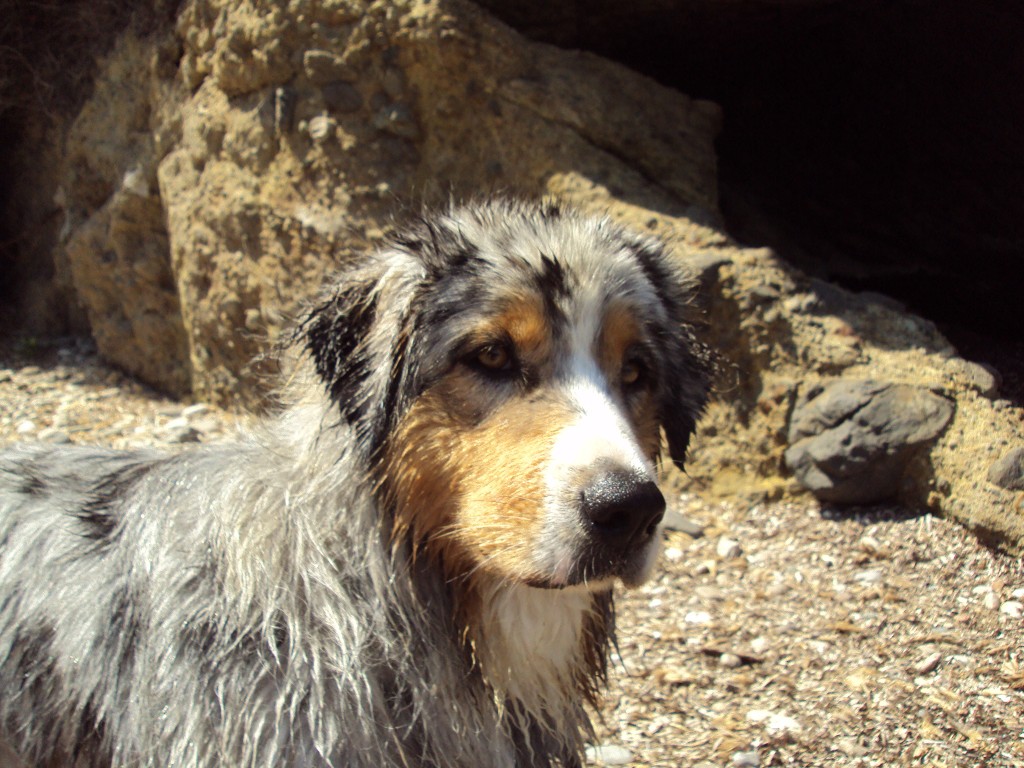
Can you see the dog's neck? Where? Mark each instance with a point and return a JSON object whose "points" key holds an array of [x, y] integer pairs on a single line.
{"points": [[542, 650]]}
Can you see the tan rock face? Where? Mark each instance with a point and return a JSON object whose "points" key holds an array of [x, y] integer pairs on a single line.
{"points": [[294, 133], [223, 168], [117, 243]]}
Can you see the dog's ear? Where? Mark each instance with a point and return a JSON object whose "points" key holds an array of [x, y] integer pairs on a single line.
{"points": [[358, 337], [684, 393], [687, 363]]}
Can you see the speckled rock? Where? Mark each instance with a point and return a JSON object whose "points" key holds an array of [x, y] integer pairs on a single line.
{"points": [[851, 442], [1008, 472]]}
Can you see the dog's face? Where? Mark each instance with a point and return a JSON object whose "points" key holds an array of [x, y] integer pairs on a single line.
{"points": [[511, 370]]}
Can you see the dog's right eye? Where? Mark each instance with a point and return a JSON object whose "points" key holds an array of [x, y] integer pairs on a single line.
{"points": [[494, 357]]}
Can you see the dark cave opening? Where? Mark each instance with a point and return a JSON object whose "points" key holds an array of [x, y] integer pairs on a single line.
{"points": [[874, 144]]}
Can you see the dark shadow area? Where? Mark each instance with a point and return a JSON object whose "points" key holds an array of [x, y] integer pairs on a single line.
{"points": [[48, 55], [876, 144], [870, 515]]}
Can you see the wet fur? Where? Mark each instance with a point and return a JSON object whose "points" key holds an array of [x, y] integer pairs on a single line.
{"points": [[341, 587]]}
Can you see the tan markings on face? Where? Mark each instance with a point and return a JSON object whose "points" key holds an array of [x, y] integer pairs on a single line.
{"points": [[465, 468], [620, 332], [523, 320], [474, 495]]}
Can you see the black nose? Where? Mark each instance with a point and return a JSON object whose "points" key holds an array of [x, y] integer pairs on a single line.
{"points": [[622, 507]]}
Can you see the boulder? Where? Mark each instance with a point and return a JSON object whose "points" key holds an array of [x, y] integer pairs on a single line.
{"points": [[850, 442]]}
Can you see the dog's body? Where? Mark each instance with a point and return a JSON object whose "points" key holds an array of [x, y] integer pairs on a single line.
{"points": [[411, 566]]}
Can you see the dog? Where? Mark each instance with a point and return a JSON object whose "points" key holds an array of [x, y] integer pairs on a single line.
{"points": [[412, 563]]}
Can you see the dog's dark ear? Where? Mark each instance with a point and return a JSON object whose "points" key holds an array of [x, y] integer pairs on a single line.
{"points": [[687, 364], [684, 393], [358, 336]]}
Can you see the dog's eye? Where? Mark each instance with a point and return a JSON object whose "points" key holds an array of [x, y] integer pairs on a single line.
{"points": [[494, 357], [634, 373]]}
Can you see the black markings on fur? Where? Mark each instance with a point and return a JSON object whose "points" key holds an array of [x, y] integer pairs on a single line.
{"points": [[550, 210], [32, 483], [125, 625], [32, 662], [98, 514], [444, 250], [686, 365], [552, 282], [334, 333]]}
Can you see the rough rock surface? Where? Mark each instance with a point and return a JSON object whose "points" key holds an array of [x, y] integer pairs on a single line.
{"points": [[273, 144], [850, 442], [116, 237], [223, 167]]}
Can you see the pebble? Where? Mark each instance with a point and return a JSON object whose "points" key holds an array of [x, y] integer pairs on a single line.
{"points": [[676, 521], [990, 600], [708, 592], [870, 544], [746, 759], [1018, 594], [759, 644], [728, 549], [674, 554], [928, 664], [197, 409], [53, 435], [870, 576], [1014, 608], [320, 127], [180, 433], [26, 427], [730, 661], [775, 722], [697, 617], [703, 567], [609, 754]]}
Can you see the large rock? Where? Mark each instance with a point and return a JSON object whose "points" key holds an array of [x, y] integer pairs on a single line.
{"points": [[851, 442], [301, 129], [222, 168]]}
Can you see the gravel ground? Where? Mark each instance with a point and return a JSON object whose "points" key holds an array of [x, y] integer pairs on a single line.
{"points": [[782, 634]]}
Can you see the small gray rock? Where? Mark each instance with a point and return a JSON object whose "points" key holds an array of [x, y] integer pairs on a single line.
{"points": [[746, 759], [928, 664], [728, 549], [730, 661], [851, 441], [1008, 472], [321, 127], [674, 520], [53, 435], [609, 754]]}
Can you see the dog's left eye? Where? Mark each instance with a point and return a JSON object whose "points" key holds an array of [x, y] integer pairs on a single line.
{"points": [[634, 373], [495, 358]]}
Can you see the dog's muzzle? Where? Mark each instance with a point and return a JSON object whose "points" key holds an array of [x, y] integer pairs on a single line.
{"points": [[622, 510], [618, 513]]}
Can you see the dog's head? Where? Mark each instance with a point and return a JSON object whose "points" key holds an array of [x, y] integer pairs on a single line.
{"points": [[508, 370]]}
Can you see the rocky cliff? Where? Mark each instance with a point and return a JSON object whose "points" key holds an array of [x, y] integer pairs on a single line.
{"points": [[223, 165]]}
